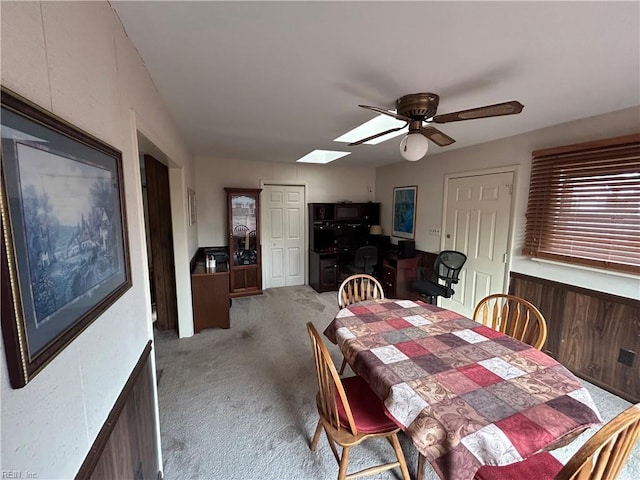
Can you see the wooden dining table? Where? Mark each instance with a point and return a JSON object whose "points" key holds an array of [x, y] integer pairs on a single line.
{"points": [[465, 394]]}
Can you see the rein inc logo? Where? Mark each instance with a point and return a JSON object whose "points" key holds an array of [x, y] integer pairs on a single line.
{"points": [[18, 474]]}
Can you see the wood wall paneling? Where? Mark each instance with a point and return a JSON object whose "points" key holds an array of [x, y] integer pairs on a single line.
{"points": [[125, 447], [548, 298], [587, 329]]}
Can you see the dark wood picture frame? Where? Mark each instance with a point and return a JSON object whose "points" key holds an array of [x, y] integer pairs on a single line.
{"points": [[65, 249]]}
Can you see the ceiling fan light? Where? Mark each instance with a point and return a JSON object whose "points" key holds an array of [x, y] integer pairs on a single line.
{"points": [[414, 146]]}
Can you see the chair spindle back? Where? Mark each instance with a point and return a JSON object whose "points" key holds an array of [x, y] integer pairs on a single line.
{"points": [[358, 288], [513, 316], [604, 454], [329, 384]]}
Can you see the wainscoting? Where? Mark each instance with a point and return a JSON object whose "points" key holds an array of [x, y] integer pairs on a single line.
{"points": [[126, 446], [587, 329]]}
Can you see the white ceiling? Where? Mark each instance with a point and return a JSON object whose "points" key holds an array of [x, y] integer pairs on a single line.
{"points": [[272, 81]]}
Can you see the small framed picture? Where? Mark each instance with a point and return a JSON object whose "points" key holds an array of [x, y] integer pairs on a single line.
{"points": [[404, 211], [65, 255], [191, 202]]}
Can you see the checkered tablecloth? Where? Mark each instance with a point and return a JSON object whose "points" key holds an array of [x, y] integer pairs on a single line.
{"points": [[466, 395]]}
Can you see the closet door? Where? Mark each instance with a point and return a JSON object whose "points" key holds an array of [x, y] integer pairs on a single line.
{"points": [[283, 226]]}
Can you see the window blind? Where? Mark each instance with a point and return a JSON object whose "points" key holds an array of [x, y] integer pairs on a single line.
{"points": [[584, 204]]}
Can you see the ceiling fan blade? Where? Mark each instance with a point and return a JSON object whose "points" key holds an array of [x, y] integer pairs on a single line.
{"points": [[364, 140], [436, 136], [386, 112], [506, 108]]}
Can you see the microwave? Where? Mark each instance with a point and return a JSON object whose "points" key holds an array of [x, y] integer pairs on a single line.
{"points": [[347, 212]]}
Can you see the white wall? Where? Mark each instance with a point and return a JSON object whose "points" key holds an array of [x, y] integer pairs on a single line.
{"points": [[429, 174], [325, 183], [74, 59]]}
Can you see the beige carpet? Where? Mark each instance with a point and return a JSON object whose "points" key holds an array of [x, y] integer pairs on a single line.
{"points": [[239, 403]]}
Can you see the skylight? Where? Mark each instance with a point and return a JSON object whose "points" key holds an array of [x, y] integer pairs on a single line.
{"points": [[322, 156], [373, 126]]}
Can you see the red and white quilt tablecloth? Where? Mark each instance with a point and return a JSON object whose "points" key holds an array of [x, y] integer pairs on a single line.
{"points": [[466, 395]]}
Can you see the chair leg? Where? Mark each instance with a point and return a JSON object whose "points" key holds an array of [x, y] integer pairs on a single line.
{"points": [[421, 461], [344, 461], [316, 436], [344, 364], [403, 462], [334, 450]]}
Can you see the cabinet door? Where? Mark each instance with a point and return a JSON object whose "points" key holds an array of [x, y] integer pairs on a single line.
{"points": [[389, 281], [371, 213], [210, 294], [328, 274], [245, 270]]}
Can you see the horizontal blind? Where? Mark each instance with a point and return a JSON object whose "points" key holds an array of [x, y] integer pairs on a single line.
{"points": [[584, 204]]}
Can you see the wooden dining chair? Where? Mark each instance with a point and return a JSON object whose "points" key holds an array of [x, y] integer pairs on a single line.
{"points": [[600, 458], [358, 288], [240, 230], [350, 413], [513, 316], [253, 243]]}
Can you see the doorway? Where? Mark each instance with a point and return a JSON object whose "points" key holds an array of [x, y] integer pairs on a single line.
{"points": [[283, 238], [158, 226], [477, 222]]}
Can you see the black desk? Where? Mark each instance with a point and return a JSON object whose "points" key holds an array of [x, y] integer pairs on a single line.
{"points": [[327, 270], [398, 274]]}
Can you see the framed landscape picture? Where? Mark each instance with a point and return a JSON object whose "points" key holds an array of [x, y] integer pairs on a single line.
{"points": [[191, 203], [65, 255], [404, 211]]}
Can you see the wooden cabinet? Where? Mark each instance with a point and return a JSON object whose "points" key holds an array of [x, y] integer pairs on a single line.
{"points": [[245, 263], [397, 276], [209, 292], [371, 213], [336, 230], [210, 297], [323, 271]]}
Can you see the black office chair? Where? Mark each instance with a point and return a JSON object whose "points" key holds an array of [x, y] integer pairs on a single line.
{"points": [[447, 269], [364, 260]]}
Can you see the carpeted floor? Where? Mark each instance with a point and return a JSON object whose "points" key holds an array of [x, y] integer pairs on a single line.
{"points": [[239, 403]]}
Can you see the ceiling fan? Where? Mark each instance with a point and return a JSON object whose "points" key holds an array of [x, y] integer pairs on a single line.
{"points": [[417, 109]]}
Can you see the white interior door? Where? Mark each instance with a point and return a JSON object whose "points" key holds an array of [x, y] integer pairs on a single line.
{"points": [[283, 240], [477, 222]]}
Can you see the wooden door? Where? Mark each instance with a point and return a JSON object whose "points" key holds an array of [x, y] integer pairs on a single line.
{"points": [[283, 233], [477, 222], [162, 267]]}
